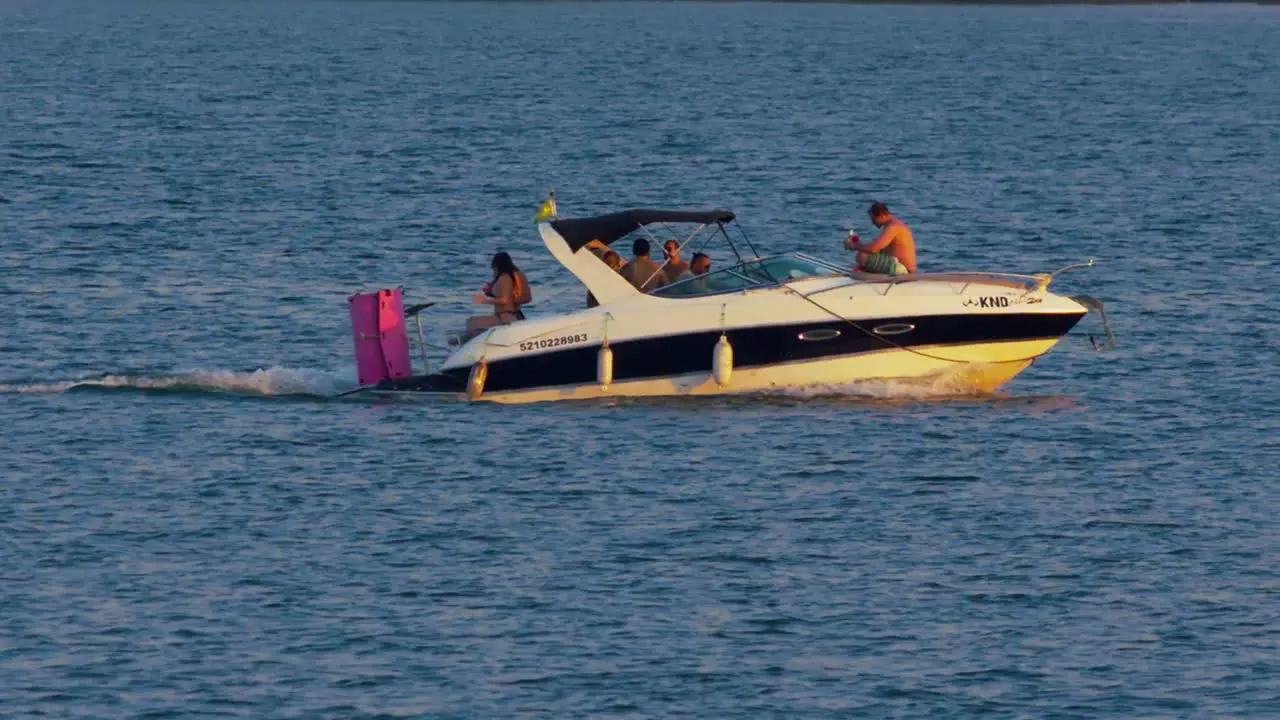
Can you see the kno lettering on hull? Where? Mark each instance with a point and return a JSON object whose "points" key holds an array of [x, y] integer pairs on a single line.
{"points": [[987, 301]]}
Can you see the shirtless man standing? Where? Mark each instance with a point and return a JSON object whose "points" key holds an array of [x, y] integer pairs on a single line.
{"points": [[893, 253]]}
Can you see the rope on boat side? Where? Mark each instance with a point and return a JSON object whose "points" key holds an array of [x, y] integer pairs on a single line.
{"points": [[1043, 281], [893, 344]]}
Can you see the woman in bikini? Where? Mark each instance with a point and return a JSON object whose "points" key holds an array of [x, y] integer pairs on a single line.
{"points": [[508, 290]]}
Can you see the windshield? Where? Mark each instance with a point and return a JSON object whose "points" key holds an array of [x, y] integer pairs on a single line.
{"points": [[756, 273]]}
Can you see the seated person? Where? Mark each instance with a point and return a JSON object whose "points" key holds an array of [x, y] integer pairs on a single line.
{"points": [[892, 253], [507, 292], [643, 273], [597, 248], [699, 266], [675, 269], [614, 261]]}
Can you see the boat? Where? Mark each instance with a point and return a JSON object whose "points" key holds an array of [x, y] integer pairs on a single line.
{"points": [[761, 325]]}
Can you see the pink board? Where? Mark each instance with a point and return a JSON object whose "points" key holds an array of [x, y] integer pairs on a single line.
{"points": [[377, 328], [395, 339], [364, 330]]}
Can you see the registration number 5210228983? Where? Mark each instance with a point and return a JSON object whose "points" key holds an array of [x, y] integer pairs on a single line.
{"points": [[544, 343]]}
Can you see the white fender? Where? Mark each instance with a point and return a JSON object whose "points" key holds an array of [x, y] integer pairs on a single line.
{"points": [[475, 383], [722, 362], [604, 366]]}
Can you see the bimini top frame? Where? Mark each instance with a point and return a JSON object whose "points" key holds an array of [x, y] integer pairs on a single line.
{"points": [[578, 232]]}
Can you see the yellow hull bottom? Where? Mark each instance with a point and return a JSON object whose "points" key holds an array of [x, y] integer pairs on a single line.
{"points": [[963, 369]]}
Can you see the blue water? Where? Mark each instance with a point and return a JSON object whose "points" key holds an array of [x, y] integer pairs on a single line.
{"points": [[189, 190]]}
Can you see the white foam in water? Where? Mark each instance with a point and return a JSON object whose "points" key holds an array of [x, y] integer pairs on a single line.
{"points": [[308, 382], [938, 386], [272, 381]]}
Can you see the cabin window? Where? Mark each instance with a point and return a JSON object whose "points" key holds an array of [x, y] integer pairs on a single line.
{"points": [[756, 273], [794, 268], [717, 281]]}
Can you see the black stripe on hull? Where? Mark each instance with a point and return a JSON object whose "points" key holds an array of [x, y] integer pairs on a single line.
{"points": [[437, 382], [670, 355]]}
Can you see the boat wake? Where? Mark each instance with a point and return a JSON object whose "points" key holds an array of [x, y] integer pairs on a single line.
{"points": [[265, 382], [969, 380], [887, 390], [285, 382]]}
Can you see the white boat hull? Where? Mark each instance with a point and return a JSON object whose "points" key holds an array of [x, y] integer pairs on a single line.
{"points": [[770, 325], [965, 369]]}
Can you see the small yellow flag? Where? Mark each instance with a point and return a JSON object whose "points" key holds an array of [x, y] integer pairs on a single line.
{"points": [[548, 210]]}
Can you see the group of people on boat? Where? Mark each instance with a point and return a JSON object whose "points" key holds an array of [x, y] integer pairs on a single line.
{"points": [[893, 252], [645, 274]]}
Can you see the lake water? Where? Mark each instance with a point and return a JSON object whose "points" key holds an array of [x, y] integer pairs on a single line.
{"points": [[190, 190]]}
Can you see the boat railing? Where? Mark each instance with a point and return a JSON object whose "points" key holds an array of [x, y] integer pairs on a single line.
{"points": [[966, 278], [1028, 283]]}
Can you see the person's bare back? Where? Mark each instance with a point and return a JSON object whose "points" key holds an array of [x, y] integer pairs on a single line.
{"points": [[643, 273], [900, 243], [893, 252]]}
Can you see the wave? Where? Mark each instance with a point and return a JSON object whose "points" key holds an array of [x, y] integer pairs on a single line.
{"points": [[965, 381], [265, 382]]}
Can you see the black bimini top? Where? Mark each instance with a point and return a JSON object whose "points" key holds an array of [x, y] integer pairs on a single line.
{"points": [[607, 228]]}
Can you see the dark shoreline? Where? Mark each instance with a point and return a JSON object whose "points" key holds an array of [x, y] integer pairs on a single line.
{"points": [[1028, 3], [986, 2], [1080, 3]]}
